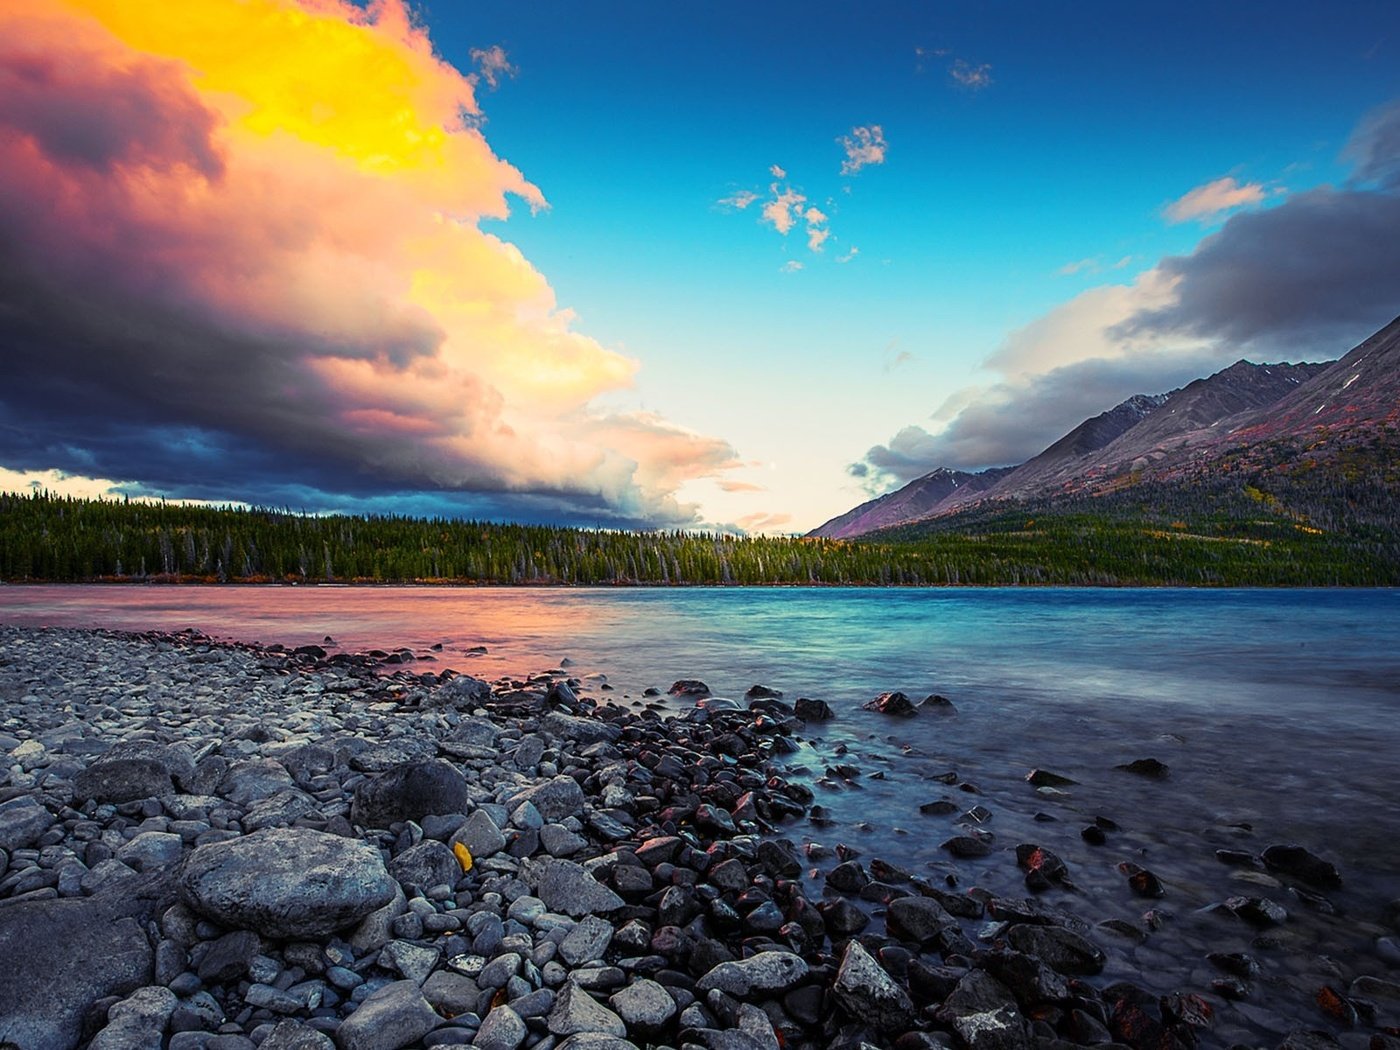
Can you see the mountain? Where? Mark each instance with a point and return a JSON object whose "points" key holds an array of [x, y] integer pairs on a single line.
{"points": [[918, 499], [1245, 418]]}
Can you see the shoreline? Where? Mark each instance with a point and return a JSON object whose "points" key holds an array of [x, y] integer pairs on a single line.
{"points": [[677, 794]]}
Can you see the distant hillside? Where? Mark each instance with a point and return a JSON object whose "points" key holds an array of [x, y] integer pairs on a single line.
{"points": [[921, 497], [1271, 419]]}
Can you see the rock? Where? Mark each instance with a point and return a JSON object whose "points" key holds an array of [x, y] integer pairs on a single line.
{"points": [[462, 692], [644, 1006], [393, 1017], [1044, 778], [1300, 863], [137, 1022], [412, 961], [410, 791], [451, 993], [587, 941], [1062, 950], [151, 850], [967, 847], [428, 864], [583, 730], [1043, 869], [576, 1011], [76, 951], [22, 821], [254, 780], [569, 888], [559, 841], [556, 799], [892, 704], [1142, 881], [279, 810], [869, 994], [917, 919], [129, 771], [1258, 911], [293, 1035], [811, 710], [688, 687], [1146, 767], [983, 1012], [286, 882], [501, 1030], [480, 835], [766, 972], [595, 1041], [228, 957], [939, 705]]}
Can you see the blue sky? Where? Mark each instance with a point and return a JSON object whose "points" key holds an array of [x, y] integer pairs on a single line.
{"points": [[992, 273]]}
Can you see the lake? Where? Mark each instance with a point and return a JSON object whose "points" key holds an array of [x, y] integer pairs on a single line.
{"points": [[1277, 712]]}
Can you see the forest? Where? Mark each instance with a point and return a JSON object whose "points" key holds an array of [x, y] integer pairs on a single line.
{"points": [[1220, 532]]}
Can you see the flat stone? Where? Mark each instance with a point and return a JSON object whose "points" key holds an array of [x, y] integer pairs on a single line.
{"points": [[576, 1011], [502, 1029], [413, 961], [918, 919], [480, 835], [151, 850], [393, 1017], [568, 888], [1062, 950], [286, 882], [587, 941], [556, 799], [293, 1035], [644, 1006], [765, 972], [129, 771], [228, 957], [137, 1022]]}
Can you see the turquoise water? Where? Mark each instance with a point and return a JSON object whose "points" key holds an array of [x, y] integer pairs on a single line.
{"points": [[1278, 713]]}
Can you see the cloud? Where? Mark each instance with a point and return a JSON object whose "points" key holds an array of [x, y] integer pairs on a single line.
{"points": [[740, 199], [863, 146], [1212, 198], [241, 257], [784, 208], [777, 172], [850, 254], [791, 266], [730, 485], [972, 76], [493, 64], [1306, 278], [763, 522]]}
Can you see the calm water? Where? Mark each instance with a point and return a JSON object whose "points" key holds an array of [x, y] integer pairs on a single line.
{"points": [[1279, 710]]}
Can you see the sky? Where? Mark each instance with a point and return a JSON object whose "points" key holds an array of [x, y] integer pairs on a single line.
{"points": [[660, 265]]}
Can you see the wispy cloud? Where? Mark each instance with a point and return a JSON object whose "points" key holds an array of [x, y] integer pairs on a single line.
{"points": [[850, 254], [493, 65], [791, 266], [764, 522], [730, 485], [1092, 265], [864, 146], [740, 199], [973, 76], [1211, 199], [784, 208]]}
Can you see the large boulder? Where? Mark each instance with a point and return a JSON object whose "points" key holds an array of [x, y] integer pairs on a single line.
{"points": [[286, 882], [410, 791], [132, 770], [75, 951]]}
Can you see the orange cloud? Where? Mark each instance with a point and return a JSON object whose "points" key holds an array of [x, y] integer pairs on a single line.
{"points": [[269, 210], [1213, 198]]}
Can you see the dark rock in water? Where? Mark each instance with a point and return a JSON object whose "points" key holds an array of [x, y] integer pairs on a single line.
{"points": [[1238, 858], [1258, 911], [410, 791], [842, 918], [130, 771], [1029, 979], [1043, 869], [1093, 835], [984, 1013], [1135, 1018], [1045, 778], [718, 703], [1336, 1006], [75, 952], [1143, 882], [762, 692], [939, 808], [869, 994], [848, 877], [811, 710], [917, 919], [688, 687], [1063, 950], [1304, 1039], [286, 882], [779, 859], [1146, 767], [1230, 988], [892, 704], [939, 705], [1181, 1008], [967, 847], [394, 1016], [1300, 863], [1236, 963], [1124, 928]]}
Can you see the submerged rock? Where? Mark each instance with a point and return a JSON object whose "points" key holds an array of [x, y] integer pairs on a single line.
{"points": [[892, 704]]}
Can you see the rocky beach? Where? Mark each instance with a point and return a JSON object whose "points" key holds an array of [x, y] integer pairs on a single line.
{"points": [[221, 845]]}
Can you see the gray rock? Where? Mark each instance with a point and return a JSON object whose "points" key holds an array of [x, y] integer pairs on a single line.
{"points": [[428, 864], [559, 841], [577, 1011], [868, 993], [644, 1006], [587, 941], [279, 810], [22, 821], [105, 875], [918, 919], [584, 730], [501, 1030], [498, 972], [764, 972], [293, 1035], [1062, 950], [984, 1013], [556, 799], [410, 791], [75, 951], [286, 882], [480, 835], [137, 1022], [451, 993], [377, 928], [151, 850], [569, 888], [393, 1017], [476, 732], [228, 957], [463, 692], [413, 961], [595, 1041], [129, 771], [253, 780]]}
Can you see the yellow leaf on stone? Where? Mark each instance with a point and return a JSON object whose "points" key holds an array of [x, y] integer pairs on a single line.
{"points": [[463, 855]]}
